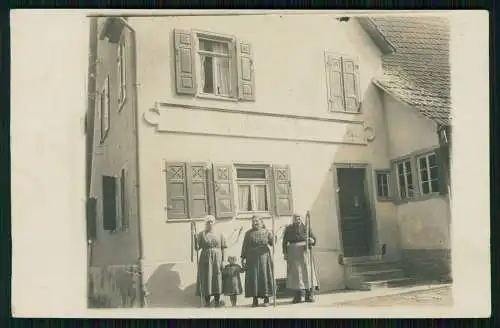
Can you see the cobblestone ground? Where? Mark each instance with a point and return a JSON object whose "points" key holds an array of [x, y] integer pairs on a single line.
{"points": [[438, 296]]}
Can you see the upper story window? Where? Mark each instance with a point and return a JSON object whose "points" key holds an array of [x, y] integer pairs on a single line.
{"points": [[428, 174], [213, 65], [121, 71], [342, 83], [216, 59]]}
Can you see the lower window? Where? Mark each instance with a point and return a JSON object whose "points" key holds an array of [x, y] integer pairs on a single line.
{"points": [[428, 174], [405, 179], [253, 189]]}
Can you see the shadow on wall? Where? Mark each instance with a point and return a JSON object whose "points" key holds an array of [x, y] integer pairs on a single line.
{"points": [[166, 285]]}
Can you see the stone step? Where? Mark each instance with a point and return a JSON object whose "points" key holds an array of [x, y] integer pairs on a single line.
{"points": [[372, 266], [390, 283], [380, 274]]}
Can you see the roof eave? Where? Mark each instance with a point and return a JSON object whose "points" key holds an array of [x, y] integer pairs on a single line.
{"points": [[378, 84], [371, 28]]}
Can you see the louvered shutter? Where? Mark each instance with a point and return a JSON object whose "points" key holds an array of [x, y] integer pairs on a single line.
{"points": [[350, 73], [334, 83], [91, 218], [283, 189], [197, 189], [184, 62], [246, 74], [223, 190], [177, 202], [109, 203]]}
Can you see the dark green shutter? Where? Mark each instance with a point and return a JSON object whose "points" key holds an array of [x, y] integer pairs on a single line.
{"points": [[109, 202], [91, 218]]}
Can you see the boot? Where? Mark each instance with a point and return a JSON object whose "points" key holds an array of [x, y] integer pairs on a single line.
{"points": [[309, 296], [218, 303], [298, 297], [255, 302], [266, 301], [207, 301]]}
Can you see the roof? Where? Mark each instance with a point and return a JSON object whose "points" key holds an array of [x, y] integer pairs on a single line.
{"points": [[418, 71]]}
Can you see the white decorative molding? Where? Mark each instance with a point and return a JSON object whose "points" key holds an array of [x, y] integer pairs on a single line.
{"points": [[152, 116], [195, 120], [369, 133]]}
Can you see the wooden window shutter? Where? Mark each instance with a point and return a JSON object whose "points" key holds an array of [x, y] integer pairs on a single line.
{"points": [[350, 73], [283, 189], [442, 159], [177, 199], [223, 190], [184, 62], [109, 203], [123, 200], [197, 189], [246, 74], [91, 218], [118, 203], [334, 82]]}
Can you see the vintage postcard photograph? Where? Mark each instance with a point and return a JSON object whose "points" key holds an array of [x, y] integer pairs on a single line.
{"points": [[271, 164]]}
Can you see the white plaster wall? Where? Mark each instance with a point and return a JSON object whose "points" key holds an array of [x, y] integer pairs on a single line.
{"points": [[290, 78]]}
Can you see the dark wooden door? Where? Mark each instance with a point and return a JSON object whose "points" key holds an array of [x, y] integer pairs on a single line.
{"points": [[355, 219]]}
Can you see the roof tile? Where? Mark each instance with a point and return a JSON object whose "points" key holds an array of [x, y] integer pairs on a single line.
{"points": [[418, 72]]}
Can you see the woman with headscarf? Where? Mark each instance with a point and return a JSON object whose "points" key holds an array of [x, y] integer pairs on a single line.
{"points": [[209, 277], [256, 258], [298, 257]]}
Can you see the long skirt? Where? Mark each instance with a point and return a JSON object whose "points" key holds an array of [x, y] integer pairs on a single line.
{"points": [[209, 278], [299, 268], [259, 273]]}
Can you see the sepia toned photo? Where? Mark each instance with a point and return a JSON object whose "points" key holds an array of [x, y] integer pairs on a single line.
{"points": [[304, 165]]}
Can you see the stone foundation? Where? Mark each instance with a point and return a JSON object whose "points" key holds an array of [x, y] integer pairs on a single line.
{"points": [[427, 264], [116, 286]]}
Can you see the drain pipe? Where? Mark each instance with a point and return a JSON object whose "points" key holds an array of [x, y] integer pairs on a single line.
{"points": [[136, 128]]}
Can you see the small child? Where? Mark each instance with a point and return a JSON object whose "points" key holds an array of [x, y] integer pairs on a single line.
{"points": [[231, 275]]}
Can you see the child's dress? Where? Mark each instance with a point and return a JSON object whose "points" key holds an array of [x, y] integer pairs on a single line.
{"points": [[231, 276]]}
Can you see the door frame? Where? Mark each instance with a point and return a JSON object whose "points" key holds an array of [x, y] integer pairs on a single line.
{"points": [[369, 194]]}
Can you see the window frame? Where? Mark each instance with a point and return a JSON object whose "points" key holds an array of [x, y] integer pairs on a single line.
{"points": [[122, 71], [233, 67], [388, 175], [405, 174], [428, 170], [252, 183]]}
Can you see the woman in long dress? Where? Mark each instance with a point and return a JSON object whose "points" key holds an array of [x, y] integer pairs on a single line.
{"points": [[301, 270], [257, 260], [209, 277]]}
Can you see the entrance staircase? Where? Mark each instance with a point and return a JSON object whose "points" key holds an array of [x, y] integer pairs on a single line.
{"points": [[373, 272]]}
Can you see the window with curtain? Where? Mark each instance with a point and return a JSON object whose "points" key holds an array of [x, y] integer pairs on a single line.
{"points": [[216, 59], [253, 189]]}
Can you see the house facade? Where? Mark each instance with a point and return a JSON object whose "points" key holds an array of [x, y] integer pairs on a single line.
{"points": [[193, 117]]}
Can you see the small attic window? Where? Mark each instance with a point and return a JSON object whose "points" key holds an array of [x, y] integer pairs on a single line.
{"points": [[111, 29]]}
